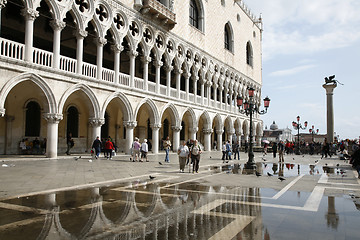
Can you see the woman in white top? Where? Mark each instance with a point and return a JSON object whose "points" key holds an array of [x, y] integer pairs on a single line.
{"points": [[144, 150], [183, 152]]}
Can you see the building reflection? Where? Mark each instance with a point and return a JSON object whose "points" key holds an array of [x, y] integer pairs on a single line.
{"points": [[331, 216], [141, 210]]}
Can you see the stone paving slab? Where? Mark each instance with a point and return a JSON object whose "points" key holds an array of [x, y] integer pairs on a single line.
{"points": [[33, 174]]}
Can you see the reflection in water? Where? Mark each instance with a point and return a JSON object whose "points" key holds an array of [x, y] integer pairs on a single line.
{"points": [[132, 211], [331, 216]]}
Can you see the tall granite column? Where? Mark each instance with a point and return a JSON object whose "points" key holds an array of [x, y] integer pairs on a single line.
{"points": [[330, 110]]}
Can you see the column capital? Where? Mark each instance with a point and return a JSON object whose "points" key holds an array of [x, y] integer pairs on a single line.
{"points": [[194, 129], [57, 24], [208, 131], [96, 122], [176, 128], [329, 88], [158, 64], [130, 124], [29, 13], [231, 132], [117, 48], [2, 4], [9, 118], [168, 68], [100, 41], [133, 53], [53, 117], [219, 132], [80, 33], [2, 112], [155, 126], [178, 71], [145, 59], [187, 75]]}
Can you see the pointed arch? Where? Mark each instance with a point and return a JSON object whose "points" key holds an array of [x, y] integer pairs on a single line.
{"points": [[174, 116], [229, 37], [125, 106], [155, 117], [206, 116], [40, 82], [88, 92], [218, 122], [193, 116]]}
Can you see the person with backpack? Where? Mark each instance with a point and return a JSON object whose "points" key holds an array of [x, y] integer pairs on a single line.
{"points": [[195, 155], [183, 152]]}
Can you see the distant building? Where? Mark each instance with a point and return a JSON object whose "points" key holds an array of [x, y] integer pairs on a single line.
{"points": [[307, 137], [274, 134]]}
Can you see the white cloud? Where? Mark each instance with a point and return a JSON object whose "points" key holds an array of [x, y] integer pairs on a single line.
{"points": [[291, 71]]}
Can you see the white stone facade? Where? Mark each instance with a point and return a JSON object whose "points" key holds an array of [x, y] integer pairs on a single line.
{"points": [[124, 69]]}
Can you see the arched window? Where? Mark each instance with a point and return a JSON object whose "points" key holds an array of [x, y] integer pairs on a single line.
{"points": [[166, 128], [196, 14], [33, 118], [72, 124], [249, 54], [182, 131], [149, 130], [228, 37]]}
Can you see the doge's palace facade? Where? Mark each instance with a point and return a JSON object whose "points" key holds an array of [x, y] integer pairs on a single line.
{"points": [[125, 69]]}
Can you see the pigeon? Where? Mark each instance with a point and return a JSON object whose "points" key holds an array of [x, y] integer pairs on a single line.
{"points": [[293, 158], [77, 158], [269, 174], [337, 165], [303, 156], [227, 162], [257, 174], [90, 160], [263, 159], [281, 179], [160, 163], [151, 177], [316, 161], [325, 164]]}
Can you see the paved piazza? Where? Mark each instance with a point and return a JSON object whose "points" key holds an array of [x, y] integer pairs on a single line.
{"points": [[72, 198]]}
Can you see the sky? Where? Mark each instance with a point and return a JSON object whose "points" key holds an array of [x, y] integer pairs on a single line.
{"points": [[303, 42]]}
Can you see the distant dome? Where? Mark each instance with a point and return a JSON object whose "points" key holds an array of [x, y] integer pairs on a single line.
{"points": [[273, 126]]}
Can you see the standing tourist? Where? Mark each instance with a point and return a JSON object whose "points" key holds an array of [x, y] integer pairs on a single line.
{"points": [[167, 145], [195, 154], [223, 149], [325, 149], [136, 150], [236, 150], [144, 150], [97, 146], [274, 149], [183, 152], [355, 161], [109, 147]]}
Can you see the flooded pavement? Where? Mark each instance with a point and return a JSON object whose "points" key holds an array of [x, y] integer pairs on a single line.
{"points": [[171, 206]]}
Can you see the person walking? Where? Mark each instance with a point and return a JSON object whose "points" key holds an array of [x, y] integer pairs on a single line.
{"points": [[355, 161], [183, 152], [223, 149], [195, 154], [136, 150], [274, 149], [144, 150], [228, 150], [236, 150], [69, 143], [325, 149], [189, 144], [281, 148], [97, 146], [167, 145], [109, 147]]}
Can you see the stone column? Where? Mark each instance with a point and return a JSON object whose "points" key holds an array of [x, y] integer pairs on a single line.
{"points": [[155, 137], [178, 82], [146, 61], [2, 5], [80, 35], [100, 42], [207, 139], [129, 135], [230, 135], [231, 106], [208, 90], [168, 79], [53, 120], [8, 139], [132, 55], [330, 110], [158, 65], [96, 124], [30, 15], [187, 79], [202, 92], [215, 94], [176, 137], [196, 79], [221, 96], [219, 139], [193, 132], [57, 26], [117, 48]]}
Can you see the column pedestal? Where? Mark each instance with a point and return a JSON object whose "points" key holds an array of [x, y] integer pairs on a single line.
{"points": [[53, 120]]}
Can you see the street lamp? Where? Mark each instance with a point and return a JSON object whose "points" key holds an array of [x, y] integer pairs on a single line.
{"points": [[249, 107], [313, 132], [297, 126]]}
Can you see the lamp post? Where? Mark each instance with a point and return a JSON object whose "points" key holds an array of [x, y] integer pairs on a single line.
{"points": [[313, 132], [249, 108], [297, 126]]}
